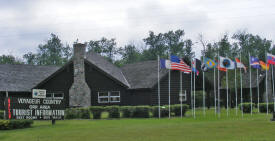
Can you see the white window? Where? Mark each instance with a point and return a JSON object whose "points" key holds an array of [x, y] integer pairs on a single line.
{"points": [[49, 95], [103, 97], [55, 95], [182, 96], [109, 97], [115, 96], [58, 95]]}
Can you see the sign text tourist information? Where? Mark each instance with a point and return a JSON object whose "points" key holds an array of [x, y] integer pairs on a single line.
{"points": [[34, 108]]}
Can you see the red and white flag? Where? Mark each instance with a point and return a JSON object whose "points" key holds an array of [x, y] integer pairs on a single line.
{"points": [[179, 64], [239, 64]]}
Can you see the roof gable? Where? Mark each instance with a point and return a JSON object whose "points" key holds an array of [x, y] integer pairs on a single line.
{"points": [[23, 77], [143, 74], [107, 67]]}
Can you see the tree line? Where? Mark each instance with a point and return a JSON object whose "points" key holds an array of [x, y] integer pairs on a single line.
{"points": [[54, 52]]}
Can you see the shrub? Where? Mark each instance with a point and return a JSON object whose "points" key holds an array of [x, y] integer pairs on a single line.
{"points": [[246, 107], [113, 111], [271, 107], [83, 113], [77, 113], [199, 98], [71, 113], [15, 124], [263, 107], [141, 112], [176, 109], [96, 111], [1, 114], [127, 111], [164, 111]]}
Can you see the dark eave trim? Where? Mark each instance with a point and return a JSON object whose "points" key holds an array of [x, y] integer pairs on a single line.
{"points": [[54, 74], [108, 75]]}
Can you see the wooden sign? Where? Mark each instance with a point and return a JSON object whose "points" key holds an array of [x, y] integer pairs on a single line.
{"points": [[34, 108]]}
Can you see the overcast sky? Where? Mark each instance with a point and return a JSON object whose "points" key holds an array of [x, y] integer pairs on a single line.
{"points": [[24, 23]]}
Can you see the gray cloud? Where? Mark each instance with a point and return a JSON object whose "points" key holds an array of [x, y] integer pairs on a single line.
{"points": [[25, 24]]}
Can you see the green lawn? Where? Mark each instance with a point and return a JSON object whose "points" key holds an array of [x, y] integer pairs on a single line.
{"points": [[209, 128]]}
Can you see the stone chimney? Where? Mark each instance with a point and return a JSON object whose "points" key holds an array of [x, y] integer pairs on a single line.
{"points": [[79, 93]]}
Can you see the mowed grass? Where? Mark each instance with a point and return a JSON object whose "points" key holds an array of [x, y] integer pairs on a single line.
{"points": [[257, 127]]}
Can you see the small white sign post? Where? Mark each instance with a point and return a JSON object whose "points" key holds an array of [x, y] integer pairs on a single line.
{"points": [[38, 93]]}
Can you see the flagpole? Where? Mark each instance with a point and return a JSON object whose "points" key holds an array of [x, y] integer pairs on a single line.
{"points": [[194, 94], [236, 91], [258, 91], [273, 87], [250, 85], [158, 87], [227, 93], [219, 105], [266, 86], [191, 91], [169, 90], [241, 85], [180, 94], [215, 92], [203, 92]]}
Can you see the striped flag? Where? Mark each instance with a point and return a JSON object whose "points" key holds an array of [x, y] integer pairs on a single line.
{"points": [[270, 59], [165, 64], [254, 62], [239, 64], [264, 65], [179, 64]]}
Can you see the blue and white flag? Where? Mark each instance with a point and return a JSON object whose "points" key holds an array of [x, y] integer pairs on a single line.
{"points": [[227, 63], [254, 62], [165, 64]]}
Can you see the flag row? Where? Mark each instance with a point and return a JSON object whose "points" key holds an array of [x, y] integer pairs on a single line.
{"points": [[223, 64]]}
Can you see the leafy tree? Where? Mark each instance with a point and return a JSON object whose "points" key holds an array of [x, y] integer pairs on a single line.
{"points": [[51, 53], [211, 50], [174, 42], [188, 49], [225, 47], [105, 47], [156, 46], [9, 59], [253, 44], [222, 48], [30, 58], [130, 54], [167, 43]]}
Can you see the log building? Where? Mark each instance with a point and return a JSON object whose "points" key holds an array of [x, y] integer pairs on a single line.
{"points": [[89, 79]]}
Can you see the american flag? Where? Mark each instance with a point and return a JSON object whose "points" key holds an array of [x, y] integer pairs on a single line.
{"points": [[179, 64]]}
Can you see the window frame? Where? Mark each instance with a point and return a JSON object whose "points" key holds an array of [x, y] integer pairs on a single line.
{"points": [[53, 95], [50, 93], [114, 97], [109, 97], [99, 97]]}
